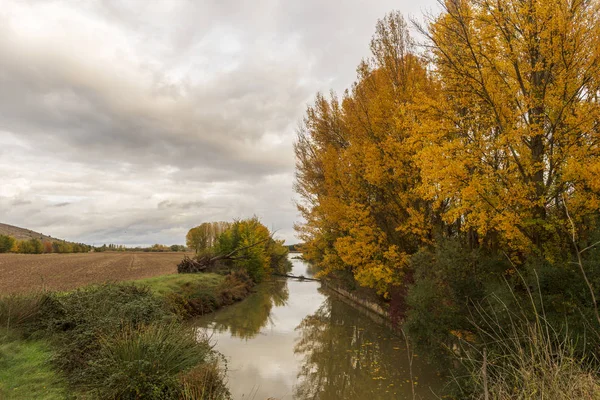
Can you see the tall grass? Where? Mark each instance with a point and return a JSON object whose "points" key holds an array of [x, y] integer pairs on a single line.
{"points": [[524, 358], [205, 382], [18, 311], [111, 341], [145, 362]]}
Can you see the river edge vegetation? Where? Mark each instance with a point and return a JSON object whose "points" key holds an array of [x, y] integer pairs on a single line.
{"points": [[129, 340], [459, 181], [125, 340]]}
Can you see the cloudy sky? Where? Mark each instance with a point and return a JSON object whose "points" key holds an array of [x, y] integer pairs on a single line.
{"points": [[132, 121]]}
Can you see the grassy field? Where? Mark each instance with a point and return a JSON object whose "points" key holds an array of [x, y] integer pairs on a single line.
{"points": [[26, 371], [22, 273]]}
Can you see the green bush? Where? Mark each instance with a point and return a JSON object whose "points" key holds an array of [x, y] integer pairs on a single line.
{"points": [[447, 279], [192, 300], [144, 362], [80, 318], [448, 305], [122, 341], [518, 354]]}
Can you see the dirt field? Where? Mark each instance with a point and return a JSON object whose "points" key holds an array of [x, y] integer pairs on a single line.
{"points": [[31, 272]]}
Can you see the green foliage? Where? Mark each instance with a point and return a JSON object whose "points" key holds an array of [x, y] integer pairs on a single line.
{"points": [[519, 354], [123, 340], [31, 246], [256, 251], [6, 243], [243, 245], [204, 237], [446, 302], [446, 279], [145, 361], [80, 318], [190, 300]]}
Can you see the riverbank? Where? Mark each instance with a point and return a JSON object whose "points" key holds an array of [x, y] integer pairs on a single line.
{"points": [[122, 340]]}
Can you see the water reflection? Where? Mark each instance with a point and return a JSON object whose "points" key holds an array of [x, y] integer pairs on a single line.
{"points": [[346, 356], [247, 319], [293, 340]]}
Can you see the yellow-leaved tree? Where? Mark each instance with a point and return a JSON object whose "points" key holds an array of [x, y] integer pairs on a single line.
{"points": [[516, 133], [356, 171]]}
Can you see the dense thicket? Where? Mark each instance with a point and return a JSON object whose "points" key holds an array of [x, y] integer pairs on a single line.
{"points": [[123, 341], [465, 168], [246, 245]]}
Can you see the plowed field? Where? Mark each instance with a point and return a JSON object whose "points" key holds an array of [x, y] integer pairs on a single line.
{"points": [[21, 273]]}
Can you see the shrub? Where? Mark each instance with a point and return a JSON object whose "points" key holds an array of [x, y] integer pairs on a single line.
{"points": [[80, 318], [145, 361], [447, 279], [205, 382], [524, 358], [193, 300]]}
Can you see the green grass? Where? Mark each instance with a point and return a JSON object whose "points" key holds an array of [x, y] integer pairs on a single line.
{"points": [[122, 340], [166, 284], [26, 372]]}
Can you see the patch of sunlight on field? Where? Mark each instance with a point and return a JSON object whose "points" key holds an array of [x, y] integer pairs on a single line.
{"points": [[26, 372], [173, 283]]}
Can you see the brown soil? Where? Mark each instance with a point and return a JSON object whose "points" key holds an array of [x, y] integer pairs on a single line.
{"points": [[21, 273]]}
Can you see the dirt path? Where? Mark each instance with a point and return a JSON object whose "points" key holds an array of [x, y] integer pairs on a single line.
{"points": [[31, 272]]}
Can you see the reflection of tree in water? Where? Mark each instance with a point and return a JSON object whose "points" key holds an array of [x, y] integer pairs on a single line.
{"points": [[246, 319], [346, 357]]}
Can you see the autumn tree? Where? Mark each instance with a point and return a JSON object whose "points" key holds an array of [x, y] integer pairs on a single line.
{"points": [[356, 171], [6, 243], [30, 246], [47, 247], [516, 139], [244, 244], [204, 237]]}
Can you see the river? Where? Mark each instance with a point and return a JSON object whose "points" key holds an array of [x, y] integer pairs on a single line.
{"points": [[294, 340]]}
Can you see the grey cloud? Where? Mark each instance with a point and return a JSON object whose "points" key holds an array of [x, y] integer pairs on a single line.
{"points": [[149, 118], [19, 202], [182, 206]]}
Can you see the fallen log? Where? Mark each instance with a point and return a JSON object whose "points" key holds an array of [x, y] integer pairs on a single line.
{"points": [[189, 265], [301, 277]]}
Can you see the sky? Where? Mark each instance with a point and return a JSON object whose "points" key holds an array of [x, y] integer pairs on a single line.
{"points": [[131, 122]]}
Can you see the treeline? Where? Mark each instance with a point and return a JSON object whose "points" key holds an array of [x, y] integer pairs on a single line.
{"points": [[465, 170], [9, 244], [156, 248], [244, 244]]}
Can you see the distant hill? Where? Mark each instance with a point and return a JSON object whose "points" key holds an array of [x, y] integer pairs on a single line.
{"points": [[24, 234]]}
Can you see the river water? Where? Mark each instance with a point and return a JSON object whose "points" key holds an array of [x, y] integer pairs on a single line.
{"points": [[294, 340]]}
